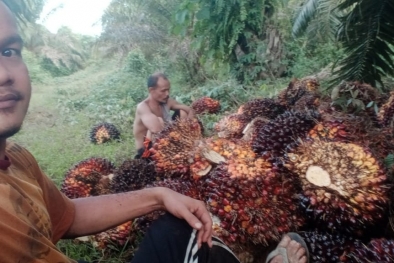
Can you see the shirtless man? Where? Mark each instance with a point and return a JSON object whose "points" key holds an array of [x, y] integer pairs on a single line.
{"points": [[154, 112]]}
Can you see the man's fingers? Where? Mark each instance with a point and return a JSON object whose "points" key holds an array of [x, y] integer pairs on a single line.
{"points": [[199, 237], [205, 218]]}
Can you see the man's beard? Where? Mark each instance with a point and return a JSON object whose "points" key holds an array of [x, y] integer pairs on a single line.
{"points": [[10, 132]]}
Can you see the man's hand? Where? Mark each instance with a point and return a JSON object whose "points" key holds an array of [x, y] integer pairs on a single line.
{"points": [[193, 211]]}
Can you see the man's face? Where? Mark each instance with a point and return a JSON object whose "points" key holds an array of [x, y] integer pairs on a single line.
{"points": [[161, 92], [15, 87]]}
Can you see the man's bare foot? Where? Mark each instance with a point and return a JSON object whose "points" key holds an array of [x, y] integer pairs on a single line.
{"points": [[295, 252]]}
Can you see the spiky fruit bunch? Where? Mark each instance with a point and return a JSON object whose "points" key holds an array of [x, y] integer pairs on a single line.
{"points": [[206, 105], [386, 112], [117, 236], [88, 177], [133, 174], [256, 209], [173, 148], [296, 90], [343, 185], [104, 132], [325, 247], [310, 101], [282, 132], [378, 250], [266, 108], [231, 126]]}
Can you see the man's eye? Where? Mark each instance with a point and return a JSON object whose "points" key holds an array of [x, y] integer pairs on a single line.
{"points": [[10, 52]]}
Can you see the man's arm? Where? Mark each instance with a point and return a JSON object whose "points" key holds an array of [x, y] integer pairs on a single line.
{"points": [[150, 120], [99, 213], [174, 105]]}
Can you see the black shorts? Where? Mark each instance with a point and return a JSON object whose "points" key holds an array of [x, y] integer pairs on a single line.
{"points": [[172, 240]]}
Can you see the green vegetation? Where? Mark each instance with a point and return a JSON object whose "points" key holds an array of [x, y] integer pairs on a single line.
{"points": [[231, 51]]}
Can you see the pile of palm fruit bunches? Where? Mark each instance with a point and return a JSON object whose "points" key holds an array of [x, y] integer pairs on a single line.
{"points": [[299, 162]]}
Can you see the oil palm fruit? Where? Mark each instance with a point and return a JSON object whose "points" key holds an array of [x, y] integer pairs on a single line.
{"points": [[344, 187], [206, 105], [231, 126], [296, 90], [251, 204], [378, 250], [88, 177], [328, 248], [104, 132], [283, 132], [115, 237], [133, 174], [266, 108], [386, 112], [354, 97], [174, 147]]}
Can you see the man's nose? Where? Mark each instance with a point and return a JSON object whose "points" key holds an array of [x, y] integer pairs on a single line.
{"points": [[5, 75]]}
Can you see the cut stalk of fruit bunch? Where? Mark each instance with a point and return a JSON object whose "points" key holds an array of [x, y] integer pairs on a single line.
{"points": [[344, 187]]}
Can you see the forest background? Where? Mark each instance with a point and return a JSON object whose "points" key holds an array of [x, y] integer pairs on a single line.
{"points": [[232, 51]]}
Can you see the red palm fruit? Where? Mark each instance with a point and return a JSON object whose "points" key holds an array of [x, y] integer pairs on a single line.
{"points": [[206, 105], [104, 132], [265, 108], [88, 177]]}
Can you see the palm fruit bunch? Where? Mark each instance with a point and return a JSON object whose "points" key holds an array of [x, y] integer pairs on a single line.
{"points": [[206, 105], [328, 248], [232, 126], [310, 101], [254, 206], [133, 174], [118, 236], [378, 250], [344, 187], [173, 149], [266, 108], [104, 132], [282, 132], [89, 177], [296, 90], [359, 94], [386, 112]]}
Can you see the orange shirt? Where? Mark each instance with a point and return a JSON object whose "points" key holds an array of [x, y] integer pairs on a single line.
{"points": [[34, 214]]}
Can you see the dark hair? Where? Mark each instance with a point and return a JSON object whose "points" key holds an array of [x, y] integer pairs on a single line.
{"points": [[152, 79], [20, 10]]}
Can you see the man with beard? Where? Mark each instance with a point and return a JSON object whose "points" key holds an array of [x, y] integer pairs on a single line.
{"points": [[34, 214], [153, 113]]}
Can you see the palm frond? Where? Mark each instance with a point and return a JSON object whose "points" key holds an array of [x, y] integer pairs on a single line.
{"points": [[304, 15], [366, 33]]}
